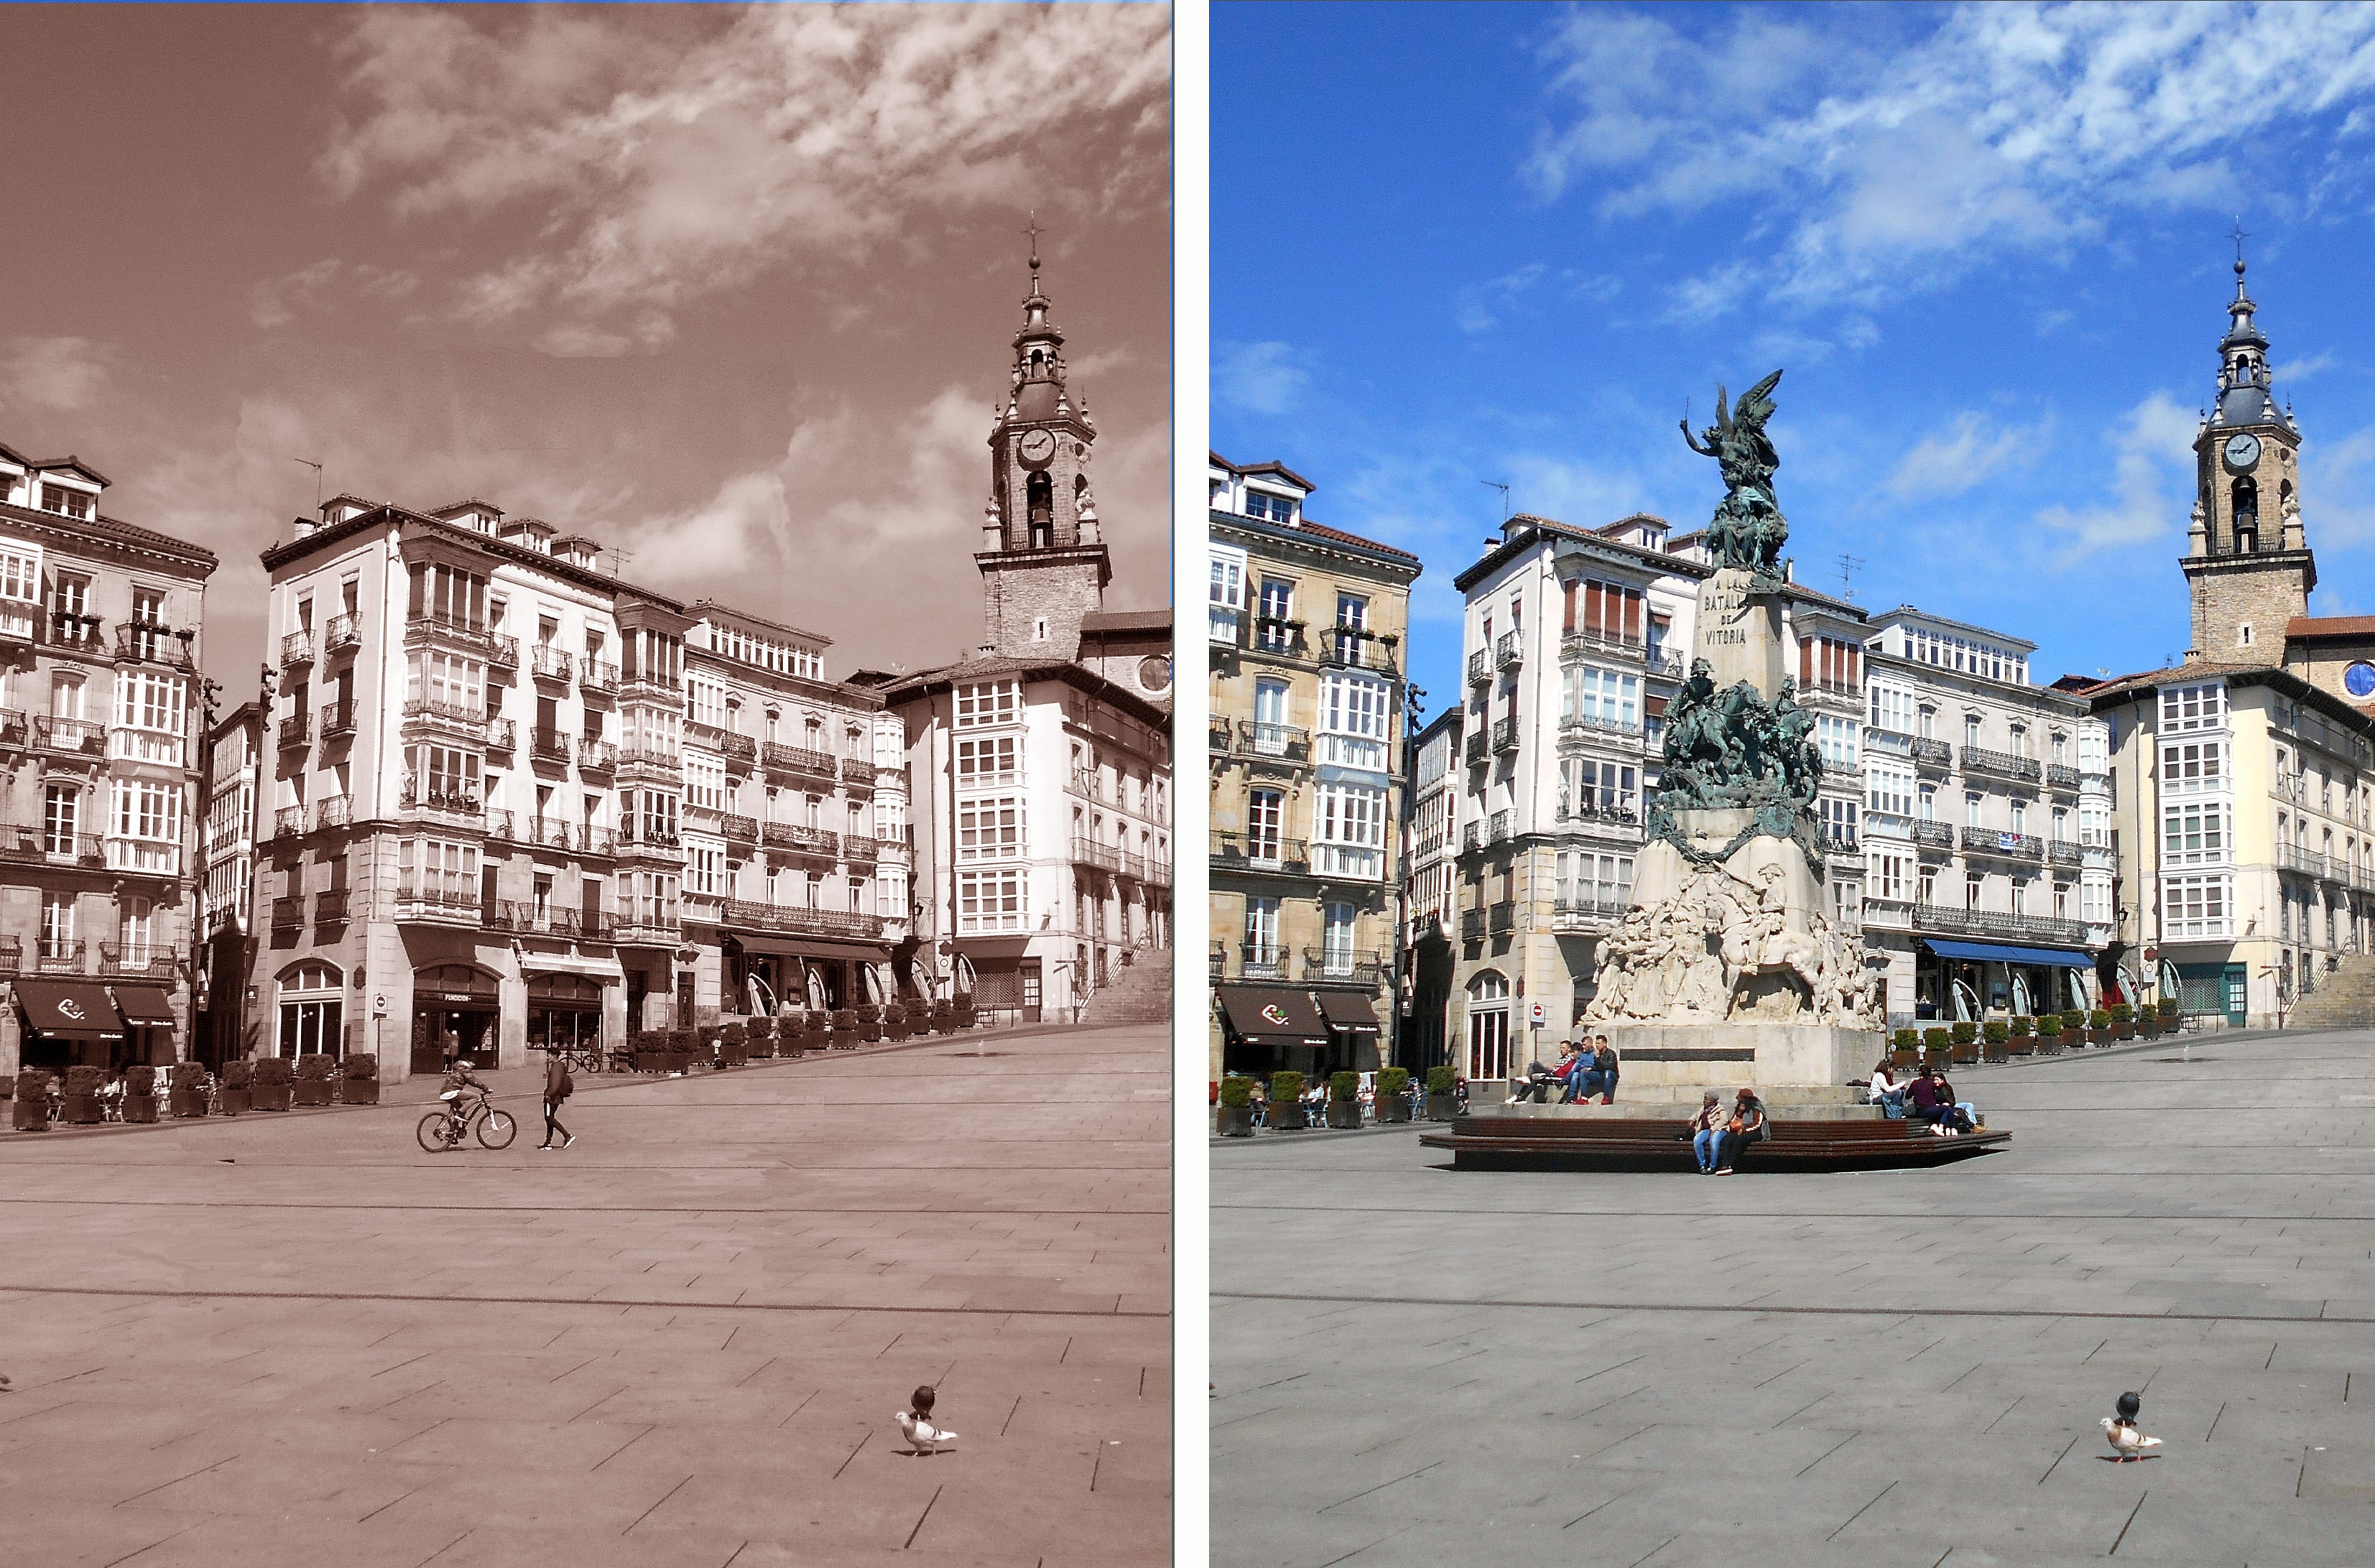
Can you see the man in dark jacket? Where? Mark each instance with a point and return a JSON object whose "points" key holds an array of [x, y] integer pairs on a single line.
{"points": [[557, 1088]]}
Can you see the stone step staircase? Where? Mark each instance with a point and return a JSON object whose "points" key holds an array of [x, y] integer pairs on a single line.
{"points": [[2344, 999], [1138, 993]]}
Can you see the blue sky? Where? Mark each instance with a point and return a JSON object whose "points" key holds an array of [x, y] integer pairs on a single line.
{"points": [[1454, 243]]}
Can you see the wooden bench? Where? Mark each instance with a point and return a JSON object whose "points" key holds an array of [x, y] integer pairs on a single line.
{"points": [[1490, 1142]]}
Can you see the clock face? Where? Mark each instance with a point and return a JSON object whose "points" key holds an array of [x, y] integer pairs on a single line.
{"points": [[1154, 672], [2360, 679], [1037, 449], [2242, 451]]}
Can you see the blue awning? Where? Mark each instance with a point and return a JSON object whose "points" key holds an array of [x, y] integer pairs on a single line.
{"points": [[1992, 952]]}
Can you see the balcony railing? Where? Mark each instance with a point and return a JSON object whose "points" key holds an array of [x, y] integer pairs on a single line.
{"points": [[1929, 753], [1947, 921], [780, 758], [2060, 775], [1089, 852], [296, 729], [503, 734], [1662, 666], [549, 920], [1472, 836], [1364, 969], [1276, 634], [2005, 764], [1479, 747], [1258, 737], [344, 631], [1608, 814], [502, 825], [1471, 925], [1933, 835], [330, 906], [650, 688], [553, 832], [1260, 852], [297, 648], [143, 643], [1256, 961], [289, 821], [59, 958], [1508, 652], [1602, 724], [1582, 641], [459, 807], [449, 904], [797, 838], [1841, 841], [503, 653], [16, 729], [458, 718], [19, 844], [73, 737], [1480, 666], [596, 757], [858, 848], [1589, 909], [856, 774], [742, 829], [337, 720], [143, 961], [650, 757], [548, 745], [80, 633], [2062, 852], [549, 663], [2292, 858], [1352, 648], [644, 839], [471, 635], [12, 955], [289, 913], [2012, 846], [599, 679], [802, 921], [1505, 734], [1497, 829]]}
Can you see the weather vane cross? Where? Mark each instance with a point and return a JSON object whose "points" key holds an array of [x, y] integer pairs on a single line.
{"points": [[1033, 232], [2240, 235]]}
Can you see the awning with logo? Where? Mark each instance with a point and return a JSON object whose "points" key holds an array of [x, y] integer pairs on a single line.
{"points": [[808, 946], [602, 969], [1348, 1010], [69, 1009], [1997, 952], [1272, 1015], [145, 1006]]}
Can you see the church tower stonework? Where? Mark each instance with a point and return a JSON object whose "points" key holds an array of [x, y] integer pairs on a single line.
{"points": [[1043, 559], [2247, 562]]}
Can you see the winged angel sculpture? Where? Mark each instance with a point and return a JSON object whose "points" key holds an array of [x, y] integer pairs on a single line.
{"points": [[1748, 529]]}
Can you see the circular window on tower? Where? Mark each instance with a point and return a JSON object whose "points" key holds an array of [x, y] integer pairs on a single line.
{"points": [[1154, 673], [2360, 679]]}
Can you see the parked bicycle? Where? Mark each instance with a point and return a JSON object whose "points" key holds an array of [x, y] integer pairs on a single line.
{"points": [[446, 1127]]}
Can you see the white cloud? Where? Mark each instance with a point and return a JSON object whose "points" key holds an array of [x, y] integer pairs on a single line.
{"points": [[2289, 371], [1881, 157], [2153, 443], [2334, 473], [661, 166], [57, 374], [1954, 460], [275, 302], [1480, 305], [1259, 378]]}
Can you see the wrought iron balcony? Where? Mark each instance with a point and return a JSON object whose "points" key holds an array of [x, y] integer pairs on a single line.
{"points": [[2060, 776], [343, 632], [1944, 920], [1361, 969], [59, 958], [859, 849], [1841, 841], [503, 652], [19, 844], [2004, 764], [549, 663], [1603, 813], [1480, 667], [1933, 835], [1932, 754], [2062, 852], [1603, 644], [504, 826], [337, 720], [289, 821], [334, 811], [1089, 852], [1591, 910], [12, 955], [548, 745], [1600, 724], [454, 718], [1471, 925], [330, 906], [458, 807], [1497, 827], [1501, 918], [1287, 743], [1505, 734], [553, 832], [642, 839], [142, 962], [1508, 651], [596, 757], [795, 838], [445, 904], [1479, 747], [1256, 961], [795, 759], [597, 677], [296, 730], [76, 633], [71, 737], [800, 921], [1472, 836], [1660, 665], [16, 729], [289, 913], [1350, 647], [502, 734], [297, 648], [1260, 852], [856, 774], [2292, 858], [143, 642], [1276, 634], [2008, 846], [740, 829]]}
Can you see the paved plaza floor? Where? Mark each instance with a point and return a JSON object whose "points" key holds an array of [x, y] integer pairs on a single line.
{"points": [[1418, 1365], [299, 1340]]}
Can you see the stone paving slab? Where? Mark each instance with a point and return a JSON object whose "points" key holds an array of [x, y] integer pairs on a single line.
{"points": [[1418, 1365], [303, 1340]]}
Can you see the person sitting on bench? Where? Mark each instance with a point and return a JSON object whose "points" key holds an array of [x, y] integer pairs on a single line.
{"points": [[1886, 1092], [1745, 1126], [1707, 1132], [1536, 1085], [1929, 1102], [1599, 1071], [1966, 1115]]}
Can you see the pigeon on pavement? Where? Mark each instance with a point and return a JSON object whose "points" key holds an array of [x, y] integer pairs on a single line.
{"points": [[2127, 1441]]}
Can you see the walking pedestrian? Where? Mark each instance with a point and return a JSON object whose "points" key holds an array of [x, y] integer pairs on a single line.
{"points": [[558, 1087]]}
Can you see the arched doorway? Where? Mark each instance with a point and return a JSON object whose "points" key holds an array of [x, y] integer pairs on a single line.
{"points": [[1488, 1027], [312, 1017]]}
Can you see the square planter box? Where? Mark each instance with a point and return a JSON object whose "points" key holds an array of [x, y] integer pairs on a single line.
{"points": [[186, 1101], [30, 1115], [230, 1102], [1287, 1118], [1992, 1052], [139, 1107], [1234, 1121], [269, 1096], [1442, 1107], [81, 1110], [1394, 1109], [1345, 1114], [312, 1091], [2021, 1045], [359, 1091], [1964, 1055]]}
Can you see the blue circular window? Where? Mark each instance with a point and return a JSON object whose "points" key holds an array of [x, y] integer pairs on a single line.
{"points": [[2360, 679]]}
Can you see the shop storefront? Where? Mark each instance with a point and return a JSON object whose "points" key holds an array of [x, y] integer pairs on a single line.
{"points": [[1970, 980], [564, 1013], [66, 1023], [761, 972], [148, 1014], [1268, 1029], [457, 1012], [1352, 1019]]}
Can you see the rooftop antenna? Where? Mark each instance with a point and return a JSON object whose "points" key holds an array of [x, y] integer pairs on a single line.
{"points": [[317, 478], [1497, 485], [1849, 565]]}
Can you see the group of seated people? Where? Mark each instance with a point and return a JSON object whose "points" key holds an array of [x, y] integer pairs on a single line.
{"points": [[1924, 1097], [1585, 1067], [1718, 1135]]}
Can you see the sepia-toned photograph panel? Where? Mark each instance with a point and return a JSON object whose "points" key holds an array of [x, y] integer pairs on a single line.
{"points": [[586, 789]]}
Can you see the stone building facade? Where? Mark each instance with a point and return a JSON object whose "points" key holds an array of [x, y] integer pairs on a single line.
{"points": [[233, 763], [101, 710], [1306, 631]]}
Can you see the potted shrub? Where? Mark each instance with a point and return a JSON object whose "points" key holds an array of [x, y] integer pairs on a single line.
{"points": [[650, 1054], [188, 1097], [1286, 1103], [362, 1084], [2147, 1022], [817, 1035], [1442, 1094], [270, 1085], [2020, 1040], [1905, 1050], [140, 1094], [1964, 1037], [1936, 1043], [2073, 1030], [1392, 1103], [684, 1045], [733, 1045], [32, 1101], [232, 1097], [1236, 1115], [2098, 1027], [312, 1080], [710, 1051], [2167, 1008], [80, 1106], [2123, 1021], [844, 1029], [1994, 1038], [1345, 1101], [869, 1022], [964, 1009], [894, 1022]]}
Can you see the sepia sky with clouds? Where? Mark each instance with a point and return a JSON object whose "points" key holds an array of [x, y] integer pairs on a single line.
{"points": [[731, 290], [1987, 242]]}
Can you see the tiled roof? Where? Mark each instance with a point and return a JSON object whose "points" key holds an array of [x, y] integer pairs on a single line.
{"points": [[1313, 530], [1126, 620], [1281, 469], [2331, 626], [109, 528]]}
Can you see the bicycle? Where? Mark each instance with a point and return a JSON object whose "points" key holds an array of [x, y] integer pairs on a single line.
{"points": [[443, 1128]]}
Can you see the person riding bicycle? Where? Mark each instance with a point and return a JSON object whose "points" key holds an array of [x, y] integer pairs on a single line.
{"points": [[459, 1078]]}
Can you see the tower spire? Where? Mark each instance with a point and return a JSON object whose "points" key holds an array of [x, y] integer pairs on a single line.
{"points": [[1033, 231], [2246, 394]]}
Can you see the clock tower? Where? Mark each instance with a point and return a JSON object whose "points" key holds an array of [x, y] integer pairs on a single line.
{"points": [[2249, 567], [1043, 559]]}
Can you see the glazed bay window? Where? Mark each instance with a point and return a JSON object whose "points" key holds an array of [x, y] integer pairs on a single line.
{"points": [[704, 867], [1353, 721], [2193, 767], [704, 784], [1594, 884], [1888, 875], [447, 684], [150, 715], [146, 834], [990, 901], [437, 873], [1349, 836], [706, 701], [1601, 698], [1892, 708], [990, 759], [653, 730], [1599, 789], [649, 816], [2198, 906], [2196, 833], [991, 828], [448, 595], [442, 778], [1888, 789], [996, 702], [20, 588], [1228, 595], [2186, 708], [1837, 739]]}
